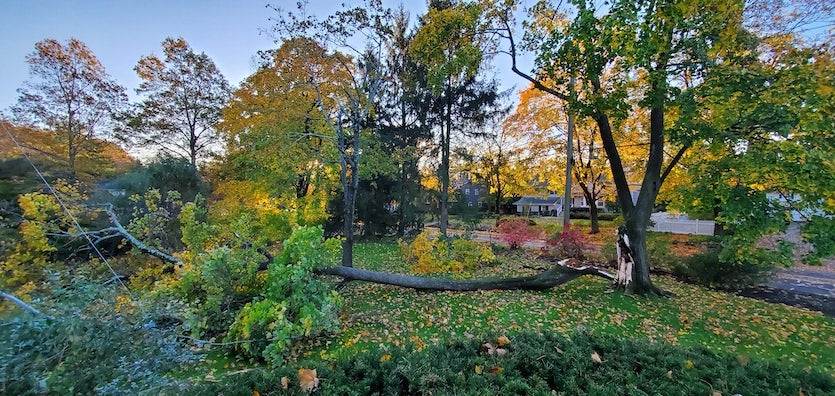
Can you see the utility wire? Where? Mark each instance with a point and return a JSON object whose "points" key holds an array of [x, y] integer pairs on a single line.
{"points": [[66, 209]]}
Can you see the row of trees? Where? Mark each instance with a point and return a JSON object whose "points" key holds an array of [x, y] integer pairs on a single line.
{"points": [[347, 106], [71, 94]]}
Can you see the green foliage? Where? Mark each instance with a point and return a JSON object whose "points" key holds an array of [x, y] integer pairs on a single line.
{"points": [[445, 44], [661, 256], [537, 364], [46, 233], [818, 231], [295, 305], [155, 219], [94, 342], [214, 284], [439, 254], [164, 174], [708, 269]]}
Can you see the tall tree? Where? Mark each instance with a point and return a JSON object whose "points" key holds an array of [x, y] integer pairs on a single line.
{"points": [[349, 112], [69, 93], [274, 128], [654, 51], [404, 126], [448, 46], [770, 159], [184, 97]]}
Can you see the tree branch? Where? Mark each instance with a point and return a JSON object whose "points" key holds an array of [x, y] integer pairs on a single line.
{"points": [[563, 272], [673, 163], [26, 307], [117, 226]]}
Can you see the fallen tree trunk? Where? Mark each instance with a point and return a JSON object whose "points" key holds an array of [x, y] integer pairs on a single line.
{"points": [[563, 272]]}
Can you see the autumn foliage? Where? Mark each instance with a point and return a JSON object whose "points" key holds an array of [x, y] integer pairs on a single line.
{"points": [[439, 254], [517, 232], [570, 242]]}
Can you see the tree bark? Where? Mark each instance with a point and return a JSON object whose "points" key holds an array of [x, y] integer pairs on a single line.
{"points": [[563, 272]]}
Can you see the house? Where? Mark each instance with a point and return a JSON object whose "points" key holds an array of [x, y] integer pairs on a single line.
{"points": [[470, 193], [533, 205], [552, 204]]}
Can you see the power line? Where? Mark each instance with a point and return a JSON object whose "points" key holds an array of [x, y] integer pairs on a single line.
{"points": [[66, 209]]}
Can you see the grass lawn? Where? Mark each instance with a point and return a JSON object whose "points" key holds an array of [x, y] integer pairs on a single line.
{"points": [[378, 317]]}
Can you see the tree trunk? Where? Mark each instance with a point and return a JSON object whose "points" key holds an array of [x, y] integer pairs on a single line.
{"points": [[444, 171], [565, 271], [595, 222]]}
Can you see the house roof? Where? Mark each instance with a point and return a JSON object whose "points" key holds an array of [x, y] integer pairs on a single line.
{"points": [[533, 200]]}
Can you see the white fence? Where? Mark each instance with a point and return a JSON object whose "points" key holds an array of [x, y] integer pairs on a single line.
{"points": [[680, 224]]}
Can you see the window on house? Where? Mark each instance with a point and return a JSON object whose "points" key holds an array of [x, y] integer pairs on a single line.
{"points": [[480, 204], [469, 204], [467, 191], [477, 190]]}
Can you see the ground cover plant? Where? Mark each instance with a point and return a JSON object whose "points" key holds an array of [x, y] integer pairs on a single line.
{"points": [[529, 363]]}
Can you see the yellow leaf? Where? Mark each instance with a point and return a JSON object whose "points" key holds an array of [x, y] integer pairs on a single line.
{"points": [[308, 380], [502, 341], [596, 358], [688, 363], [385, 358], [255, 393], [496, 369], [479, 369]]}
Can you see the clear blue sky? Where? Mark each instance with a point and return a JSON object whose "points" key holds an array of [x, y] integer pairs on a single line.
{"points": [[119, 32]]}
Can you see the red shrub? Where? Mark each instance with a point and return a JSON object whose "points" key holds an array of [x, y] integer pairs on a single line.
{"points": [[568, 243], [517, 232]]}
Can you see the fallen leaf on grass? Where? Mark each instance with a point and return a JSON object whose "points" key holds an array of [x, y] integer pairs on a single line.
{"points": [[596, 358], [285, 382], [502, 341], [501, 351], [308, 380], [496, 369], [479, 369]]}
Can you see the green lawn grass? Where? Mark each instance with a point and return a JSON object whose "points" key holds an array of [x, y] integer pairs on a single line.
{"points": [[379, 317]]}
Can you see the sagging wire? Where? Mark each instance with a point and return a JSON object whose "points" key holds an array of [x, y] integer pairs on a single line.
{"points": [[67, 210]]}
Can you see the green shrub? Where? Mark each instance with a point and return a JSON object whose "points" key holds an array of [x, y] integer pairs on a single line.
{"points": [[660, 255], [536, 364], [296, 305], [440, 254], [94, 341], [708, 269]]}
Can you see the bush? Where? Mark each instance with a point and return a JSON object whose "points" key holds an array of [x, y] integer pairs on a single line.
{"points": [[587, 216], [707, 269], [535, 364], [517, 232], [569, 243], [428, 255], [93, 342], [296, 305]]}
